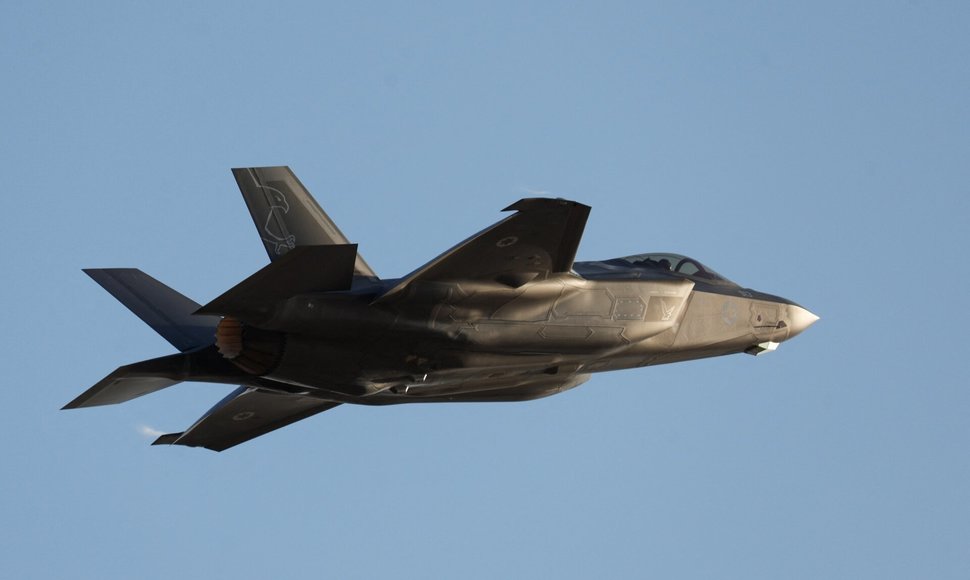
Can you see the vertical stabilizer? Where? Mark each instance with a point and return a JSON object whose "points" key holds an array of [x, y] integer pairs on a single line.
{"points": [[286, 215]]}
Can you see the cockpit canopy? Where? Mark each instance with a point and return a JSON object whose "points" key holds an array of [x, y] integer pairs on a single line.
{"points": [[673, 263], [644, 265]]}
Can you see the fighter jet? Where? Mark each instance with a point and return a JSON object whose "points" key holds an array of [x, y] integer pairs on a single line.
{"points": [[505, 315]]}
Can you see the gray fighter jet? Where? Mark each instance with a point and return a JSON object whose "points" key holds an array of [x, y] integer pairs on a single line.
{"points": [[505, 315]]}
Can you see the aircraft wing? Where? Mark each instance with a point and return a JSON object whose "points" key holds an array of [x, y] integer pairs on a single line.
{"points": [[539, 240], [245, 414]]}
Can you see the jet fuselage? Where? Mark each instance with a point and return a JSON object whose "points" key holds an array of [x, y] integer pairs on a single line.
{"points": [[455, 341], [506, 315]]}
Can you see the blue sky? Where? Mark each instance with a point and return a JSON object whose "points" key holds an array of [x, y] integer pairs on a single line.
{"points": [[817, 152]]}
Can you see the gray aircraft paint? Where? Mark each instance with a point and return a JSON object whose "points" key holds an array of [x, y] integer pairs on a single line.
{"points": [[505, 315]]}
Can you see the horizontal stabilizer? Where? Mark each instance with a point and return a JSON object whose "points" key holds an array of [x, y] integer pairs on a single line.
{"points": [[243, 415], [168, 312], [128, 382], [539, 240], [141, 378], [302, 270], [286, 215]]}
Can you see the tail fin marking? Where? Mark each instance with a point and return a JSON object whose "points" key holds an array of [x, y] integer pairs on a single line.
{"points": [[286, 215]]}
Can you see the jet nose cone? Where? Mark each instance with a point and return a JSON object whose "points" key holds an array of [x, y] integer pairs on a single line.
{"points": [[799, 319]]}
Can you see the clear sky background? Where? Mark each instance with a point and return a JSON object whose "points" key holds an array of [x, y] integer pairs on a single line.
{"points": [[818, 151]]}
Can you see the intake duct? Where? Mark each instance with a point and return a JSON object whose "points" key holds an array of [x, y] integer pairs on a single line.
{"points": [[253, 350]]}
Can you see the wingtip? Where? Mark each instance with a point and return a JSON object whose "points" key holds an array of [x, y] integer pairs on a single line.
{"points": [[529, 203], [93, 273], [79, 402], [236, 170], [167, 439]]}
